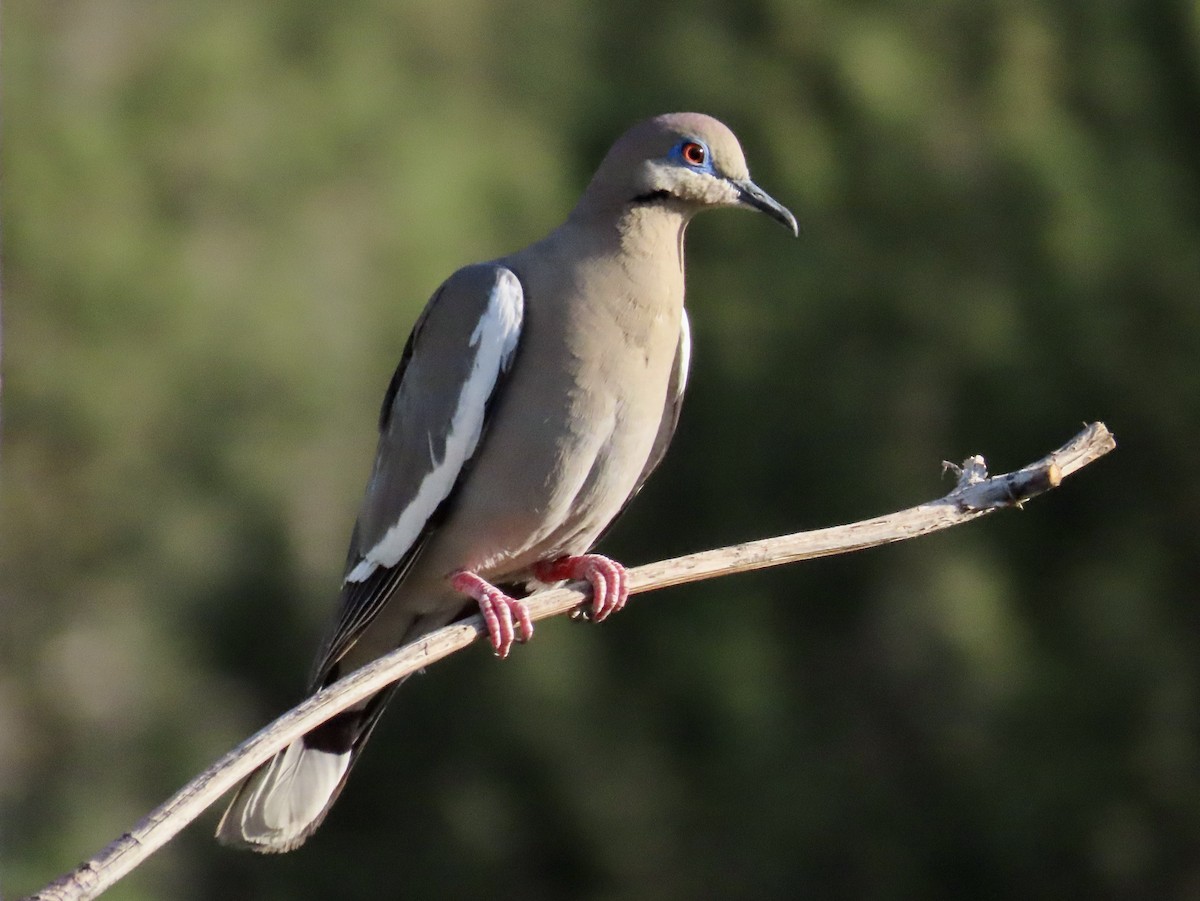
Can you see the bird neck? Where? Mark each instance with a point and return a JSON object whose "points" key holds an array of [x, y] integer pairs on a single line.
{"points": [[656, 229], [638, 230]]}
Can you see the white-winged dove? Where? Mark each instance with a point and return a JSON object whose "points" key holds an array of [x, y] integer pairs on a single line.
{"points": [[536, 394]]}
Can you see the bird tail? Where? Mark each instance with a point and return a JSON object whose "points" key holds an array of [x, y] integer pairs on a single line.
{"points": [[284, 801]]}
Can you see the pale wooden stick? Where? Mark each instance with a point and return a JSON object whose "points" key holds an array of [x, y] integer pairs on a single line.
{"points": [[975, 495]]}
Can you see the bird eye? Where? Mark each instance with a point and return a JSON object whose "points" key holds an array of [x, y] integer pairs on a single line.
{"points": [[693, 154]]}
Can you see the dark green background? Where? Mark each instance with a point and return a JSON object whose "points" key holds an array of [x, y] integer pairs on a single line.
{"points": [[221, 218]]}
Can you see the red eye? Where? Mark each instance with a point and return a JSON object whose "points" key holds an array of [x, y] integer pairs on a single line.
{"points": [[694, 154]]}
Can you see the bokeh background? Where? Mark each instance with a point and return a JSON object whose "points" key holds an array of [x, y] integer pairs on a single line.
{"points": [[220, 220]]}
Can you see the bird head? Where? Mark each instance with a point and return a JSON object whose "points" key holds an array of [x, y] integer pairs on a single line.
{"points": [[686, 161]]}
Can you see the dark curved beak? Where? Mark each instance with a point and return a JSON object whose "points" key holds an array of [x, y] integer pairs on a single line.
{"points": [[751, 195]]}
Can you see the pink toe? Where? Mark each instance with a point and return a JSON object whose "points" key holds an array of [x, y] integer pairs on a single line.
{"points": [[606, 577], [498, 610]]}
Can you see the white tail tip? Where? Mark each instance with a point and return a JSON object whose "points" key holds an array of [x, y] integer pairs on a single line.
{"points": [[284, 800]]}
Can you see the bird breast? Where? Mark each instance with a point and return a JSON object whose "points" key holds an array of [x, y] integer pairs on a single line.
{"points": [[592, 374]]}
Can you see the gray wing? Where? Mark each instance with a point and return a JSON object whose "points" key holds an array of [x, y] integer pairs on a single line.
{"points": [[434, 413]]}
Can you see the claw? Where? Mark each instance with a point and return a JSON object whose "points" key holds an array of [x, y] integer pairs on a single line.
{"points": [[501, 613], [610, 587]]}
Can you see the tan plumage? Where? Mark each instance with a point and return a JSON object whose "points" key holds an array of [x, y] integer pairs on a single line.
{"points": [[536, 394]]}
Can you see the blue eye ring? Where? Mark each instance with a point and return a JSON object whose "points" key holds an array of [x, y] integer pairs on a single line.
{"points": [[694, 154]]}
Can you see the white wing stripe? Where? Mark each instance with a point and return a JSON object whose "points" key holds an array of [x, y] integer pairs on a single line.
{"points": [[495, 338], [685, 353]]}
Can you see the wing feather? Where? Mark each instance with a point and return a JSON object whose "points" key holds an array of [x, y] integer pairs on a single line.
{"points": [[435, 413]]}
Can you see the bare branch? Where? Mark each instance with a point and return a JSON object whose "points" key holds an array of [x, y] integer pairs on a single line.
{"points": [[975, 495]]}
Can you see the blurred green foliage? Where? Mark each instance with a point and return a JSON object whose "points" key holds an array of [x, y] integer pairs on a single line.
{"points": [[220, 220]]}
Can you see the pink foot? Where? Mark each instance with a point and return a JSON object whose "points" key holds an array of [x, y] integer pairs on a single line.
{"points": [[498, 609], [610, 590]]}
